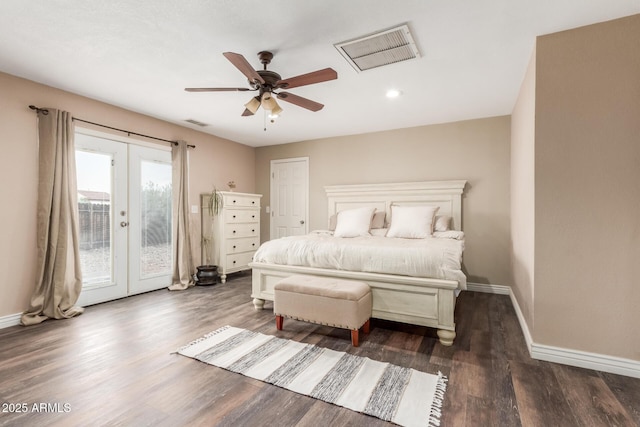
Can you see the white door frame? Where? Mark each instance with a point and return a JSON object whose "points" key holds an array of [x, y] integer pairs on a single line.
{"points": [[272, 201], [124, 272]]}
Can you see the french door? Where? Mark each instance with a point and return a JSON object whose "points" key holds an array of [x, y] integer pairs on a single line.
{"points": [[124, 206]]}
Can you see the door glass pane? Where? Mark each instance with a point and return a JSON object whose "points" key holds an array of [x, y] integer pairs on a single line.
{"points": [[155, 219], [94, 209]]}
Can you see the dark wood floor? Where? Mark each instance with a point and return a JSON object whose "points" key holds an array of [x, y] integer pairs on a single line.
{"points": [[114, 366]]}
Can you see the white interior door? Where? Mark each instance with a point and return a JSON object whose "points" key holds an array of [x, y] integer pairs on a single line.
{"points": [[289, 197], [124, 204]]}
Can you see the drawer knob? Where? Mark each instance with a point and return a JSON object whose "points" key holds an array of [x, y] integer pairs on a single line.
{"points": [[253, 244], [234, 201], [234, 262], [234, 246], [253, 216], [234, 216], [253, 231], [234, 231], [253, 202]]}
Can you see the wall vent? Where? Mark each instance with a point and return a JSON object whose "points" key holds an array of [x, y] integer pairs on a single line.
{"points": [[197, 123], [382, 48]]}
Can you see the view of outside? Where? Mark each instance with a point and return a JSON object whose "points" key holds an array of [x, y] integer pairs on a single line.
{"points": [[95, 212], [155, 218], [94, 209]]}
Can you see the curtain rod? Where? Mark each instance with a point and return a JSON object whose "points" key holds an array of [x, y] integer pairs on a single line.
{"points": [[45, 112]]}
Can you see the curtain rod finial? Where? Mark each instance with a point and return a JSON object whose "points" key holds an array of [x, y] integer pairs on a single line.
{"points": [[37, 110]]}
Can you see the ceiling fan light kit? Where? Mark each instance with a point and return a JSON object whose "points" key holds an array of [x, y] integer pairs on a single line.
{"points": [[253, 104], [267, 82], [268, 103]]}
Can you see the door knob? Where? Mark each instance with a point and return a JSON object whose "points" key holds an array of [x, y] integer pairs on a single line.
{"points": [[302, 221], [124, 224]]}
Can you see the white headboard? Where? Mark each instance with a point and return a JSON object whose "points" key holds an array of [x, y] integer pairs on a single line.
{"points": [[445, 194]]}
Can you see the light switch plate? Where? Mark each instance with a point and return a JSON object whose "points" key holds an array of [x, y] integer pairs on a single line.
{"points": [[194, 208]]}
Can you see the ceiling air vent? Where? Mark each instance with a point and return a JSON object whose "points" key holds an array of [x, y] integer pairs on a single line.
{"points": [[382, 48], [197, 123]]}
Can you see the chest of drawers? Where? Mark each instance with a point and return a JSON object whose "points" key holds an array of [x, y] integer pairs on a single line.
{"points": [[236, 232]]}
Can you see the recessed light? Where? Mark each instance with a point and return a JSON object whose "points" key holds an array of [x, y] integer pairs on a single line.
{"points": [[393, 93]]}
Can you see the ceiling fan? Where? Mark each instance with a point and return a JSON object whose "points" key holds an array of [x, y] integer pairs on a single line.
{"points": [[267, 82]]}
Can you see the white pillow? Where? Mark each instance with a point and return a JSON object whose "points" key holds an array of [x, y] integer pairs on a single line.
{"points": [[442, 223], [354, 222], [376, 222], [412, 222]]}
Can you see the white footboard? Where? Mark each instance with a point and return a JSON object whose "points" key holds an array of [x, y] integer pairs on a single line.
{"points": [[413, 300]]}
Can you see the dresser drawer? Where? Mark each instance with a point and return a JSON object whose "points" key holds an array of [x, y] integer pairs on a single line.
{"points": [[241, 230], [234, 216], [245, 244], [240, 200], [239, 260]]}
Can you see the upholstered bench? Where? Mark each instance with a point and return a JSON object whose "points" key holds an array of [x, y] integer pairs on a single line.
{"points": [[324, 300]]}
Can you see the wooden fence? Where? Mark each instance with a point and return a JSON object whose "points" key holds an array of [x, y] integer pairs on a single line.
{"points": [[95, 225]]}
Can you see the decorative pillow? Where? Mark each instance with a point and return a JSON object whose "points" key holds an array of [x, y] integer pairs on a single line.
{"points": [[412, 222], [376, 222], [332, 222], [353, 222], [442, 223], [378, 219]]}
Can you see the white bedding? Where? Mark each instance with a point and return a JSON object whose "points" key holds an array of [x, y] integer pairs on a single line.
{"points": [[435, 257]]}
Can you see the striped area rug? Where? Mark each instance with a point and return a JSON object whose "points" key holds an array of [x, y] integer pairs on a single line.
{"points": [[401, 395]]}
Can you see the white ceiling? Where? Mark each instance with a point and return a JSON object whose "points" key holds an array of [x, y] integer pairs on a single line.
{"points": [[141, 54]]}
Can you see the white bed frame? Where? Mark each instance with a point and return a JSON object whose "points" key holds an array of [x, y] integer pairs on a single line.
{"points": [[415, 300]]}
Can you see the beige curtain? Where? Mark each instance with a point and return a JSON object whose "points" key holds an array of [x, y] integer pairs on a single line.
{"points": [[59, 280], [183, 267]]}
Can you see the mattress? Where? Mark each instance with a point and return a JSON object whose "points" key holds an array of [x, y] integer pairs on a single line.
{"points": [[433, 257]]}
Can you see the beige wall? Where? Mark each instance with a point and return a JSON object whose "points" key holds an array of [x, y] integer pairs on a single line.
{"points": [[475, 150], [587, 189], [215, 161], [522, 193]]}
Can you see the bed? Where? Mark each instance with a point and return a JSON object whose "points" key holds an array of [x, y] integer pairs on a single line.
{"points": [[415, 296]]}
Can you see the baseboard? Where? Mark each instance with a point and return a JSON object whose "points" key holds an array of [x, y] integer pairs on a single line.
{"points": [[580, 359], [10, 320], [583, 359], [523, 324], [488, 288]]}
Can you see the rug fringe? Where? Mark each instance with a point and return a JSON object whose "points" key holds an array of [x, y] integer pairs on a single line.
{"points": [[438, 400], [199, 340]]}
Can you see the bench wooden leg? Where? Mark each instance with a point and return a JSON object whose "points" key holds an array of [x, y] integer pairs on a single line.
{"points": [[355, 338], [279, 322], [365, 327]]}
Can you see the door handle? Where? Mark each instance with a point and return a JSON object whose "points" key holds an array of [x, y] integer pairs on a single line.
{"points": [[124, 224], [302, 221]]}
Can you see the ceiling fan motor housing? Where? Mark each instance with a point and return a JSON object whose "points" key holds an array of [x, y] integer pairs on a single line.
{"points": [[270, 79]]}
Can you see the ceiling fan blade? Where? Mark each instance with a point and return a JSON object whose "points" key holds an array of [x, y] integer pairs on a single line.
{"points": [[308, 79], [300, 101], [243, 65], [216, 89]]}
